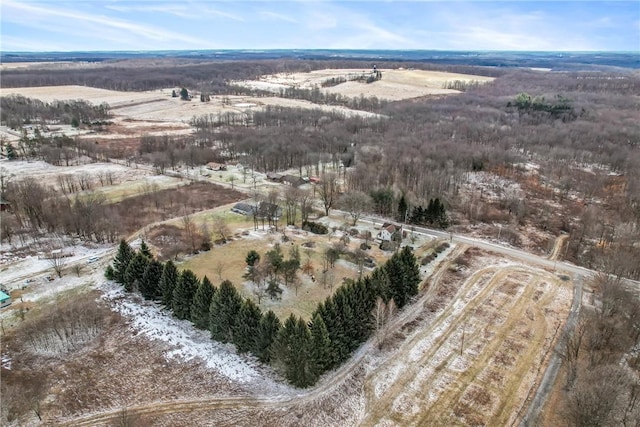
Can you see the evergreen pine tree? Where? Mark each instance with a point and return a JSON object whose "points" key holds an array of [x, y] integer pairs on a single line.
{"points": [[11, 152], [273, 289], [364, 299], [168, 282], [121, 261], [134, 272], [183, 294], [201, 303], [320, 350], [403, 208], [430, 214], [247, 327], [281, 348], [252, 258], [337, 333], [150, 283], [223, 312], [267, 333], [291, 352], [411, 271], [380, 283], [301, 368], [144, 250], [395, 271]]}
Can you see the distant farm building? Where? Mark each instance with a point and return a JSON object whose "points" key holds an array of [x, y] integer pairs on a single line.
{"points": [[272, 176], [216, 166]]}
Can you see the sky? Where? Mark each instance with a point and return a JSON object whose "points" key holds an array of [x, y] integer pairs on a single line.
{"points": [[108, 25]]}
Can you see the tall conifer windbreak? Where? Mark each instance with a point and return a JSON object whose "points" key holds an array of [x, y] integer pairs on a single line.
{"points": [[223, 312], [183, 294], [201, 303], [168, 282]]}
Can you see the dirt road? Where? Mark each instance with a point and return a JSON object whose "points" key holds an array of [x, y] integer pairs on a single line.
{"points": [[474, 364]]}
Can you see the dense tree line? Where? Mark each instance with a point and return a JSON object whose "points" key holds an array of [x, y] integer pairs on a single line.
{"points": [[37, 208], [301, 351], [16, 110], [434, 214]]}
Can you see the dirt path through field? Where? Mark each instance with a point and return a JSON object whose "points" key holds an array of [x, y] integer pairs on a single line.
{"points": [[557, 247]]}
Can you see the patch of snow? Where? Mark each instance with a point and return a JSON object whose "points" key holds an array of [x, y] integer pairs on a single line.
{"points": [[152, 321], [427, 270]]}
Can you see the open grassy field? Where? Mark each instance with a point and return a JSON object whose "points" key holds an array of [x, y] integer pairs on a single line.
{"points": [[116, 182], [227, 262]]}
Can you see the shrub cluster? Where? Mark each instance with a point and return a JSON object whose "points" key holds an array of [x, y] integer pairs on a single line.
{"points": [[314, 227]]}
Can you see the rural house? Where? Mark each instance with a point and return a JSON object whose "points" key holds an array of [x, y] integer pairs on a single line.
{"points": [[293, 180], [389, 231]]}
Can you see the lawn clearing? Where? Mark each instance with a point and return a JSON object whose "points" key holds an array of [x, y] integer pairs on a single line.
{"points": [[227, 262]]}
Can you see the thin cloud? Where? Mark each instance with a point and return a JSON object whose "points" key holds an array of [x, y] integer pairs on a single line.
{"points": [[35, 13], [170, 9], [223, 14], [277, 16]]}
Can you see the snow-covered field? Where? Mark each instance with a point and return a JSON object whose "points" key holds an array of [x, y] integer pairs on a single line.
{"points": [[155, 323], [394, 85]]}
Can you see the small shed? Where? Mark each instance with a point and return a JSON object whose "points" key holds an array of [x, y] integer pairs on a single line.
{"points": [[5, 299], [243, 209]]}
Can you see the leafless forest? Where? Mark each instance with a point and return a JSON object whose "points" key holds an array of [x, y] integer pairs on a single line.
{"points": [[579, 129]]}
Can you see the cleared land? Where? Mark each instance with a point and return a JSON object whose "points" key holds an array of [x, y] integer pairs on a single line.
{"points": [[158, 113], [394, 85], [311, 288], [476, 363]]}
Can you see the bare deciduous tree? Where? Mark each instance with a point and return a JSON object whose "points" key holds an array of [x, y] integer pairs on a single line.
{"points": [[220, 266], [356, 203], [221, 229], [328, 190], [382, 313], [57, 261]]}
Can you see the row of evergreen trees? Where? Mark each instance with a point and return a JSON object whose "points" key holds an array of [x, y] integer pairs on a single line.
{"points": [[434, 214], [299, 350]]}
